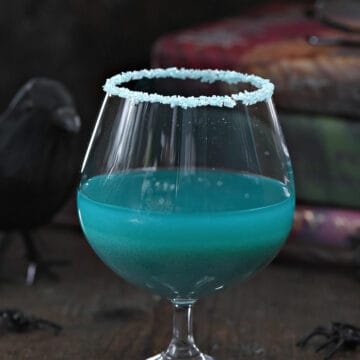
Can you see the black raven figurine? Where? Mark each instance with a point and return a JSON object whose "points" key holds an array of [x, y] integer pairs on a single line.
{"points": [[39, 162]]}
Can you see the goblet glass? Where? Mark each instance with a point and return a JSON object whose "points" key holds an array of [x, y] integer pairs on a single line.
{"points": [[186, 185]]}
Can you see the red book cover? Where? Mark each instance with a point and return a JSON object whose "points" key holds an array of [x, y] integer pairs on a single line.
{"points": [[273, 44]]}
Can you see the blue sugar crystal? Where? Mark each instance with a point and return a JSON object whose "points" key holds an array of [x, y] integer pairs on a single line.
{"points": [[264, 87]]}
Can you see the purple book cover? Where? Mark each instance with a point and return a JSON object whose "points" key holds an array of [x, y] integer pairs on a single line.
{"points": [[320, 235], [326, 226]]}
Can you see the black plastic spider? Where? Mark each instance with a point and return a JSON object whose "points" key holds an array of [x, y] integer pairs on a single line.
{"points": [[339, 337], [16, 321]]}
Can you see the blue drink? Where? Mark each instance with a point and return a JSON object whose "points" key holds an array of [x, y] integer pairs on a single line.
{"points": [[181, 234]]}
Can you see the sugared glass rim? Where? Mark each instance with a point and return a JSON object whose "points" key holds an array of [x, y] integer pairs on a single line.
{"points": [[264, 87]]}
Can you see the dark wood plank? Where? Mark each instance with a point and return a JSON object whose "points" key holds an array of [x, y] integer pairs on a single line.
{"points": [[106, 318]]}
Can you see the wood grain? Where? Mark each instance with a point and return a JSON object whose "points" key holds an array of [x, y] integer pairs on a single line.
{"points": [[106, 318]]}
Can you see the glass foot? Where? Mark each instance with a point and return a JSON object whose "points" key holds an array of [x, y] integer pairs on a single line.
{"points": [[182, 345], [164, 357]]}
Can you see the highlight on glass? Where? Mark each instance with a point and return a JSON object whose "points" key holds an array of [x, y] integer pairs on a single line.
{"points": [[186, 186]]}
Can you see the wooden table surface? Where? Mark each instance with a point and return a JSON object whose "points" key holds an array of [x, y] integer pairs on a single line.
{"points": [[106, 318]]}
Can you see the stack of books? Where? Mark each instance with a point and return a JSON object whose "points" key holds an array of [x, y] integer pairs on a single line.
{"points": [[317, 95]]}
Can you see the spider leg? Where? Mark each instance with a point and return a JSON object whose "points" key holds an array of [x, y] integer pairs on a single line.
{"points": [[324, 345], [43, 324], [332, 352], [318, 331]]}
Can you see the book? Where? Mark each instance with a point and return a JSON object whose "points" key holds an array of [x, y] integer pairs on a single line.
{"points": [[308, 78], [325, 155], [324, 236]]}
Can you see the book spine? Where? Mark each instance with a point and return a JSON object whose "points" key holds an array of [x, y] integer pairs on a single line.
{"points": [[323, 237], [338, 228], [325, 154]]}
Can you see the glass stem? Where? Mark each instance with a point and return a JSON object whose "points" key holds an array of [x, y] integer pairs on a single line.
{"points": [[182, 346]]}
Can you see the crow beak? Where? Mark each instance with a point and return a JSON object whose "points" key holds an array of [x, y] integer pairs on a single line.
{"points": [[67, 118]]}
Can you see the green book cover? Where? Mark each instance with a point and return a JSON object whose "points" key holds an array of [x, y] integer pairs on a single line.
{"points": [[325, 153]]}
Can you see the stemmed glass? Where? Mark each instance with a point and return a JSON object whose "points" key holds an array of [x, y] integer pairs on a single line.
{"points": [[186, 185]]}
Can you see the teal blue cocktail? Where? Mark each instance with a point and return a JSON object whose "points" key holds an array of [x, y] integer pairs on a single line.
{"points": [[185, 235], [186, 186]]}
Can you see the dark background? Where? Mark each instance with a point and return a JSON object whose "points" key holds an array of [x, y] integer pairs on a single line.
{"points": [[83, 42]]}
